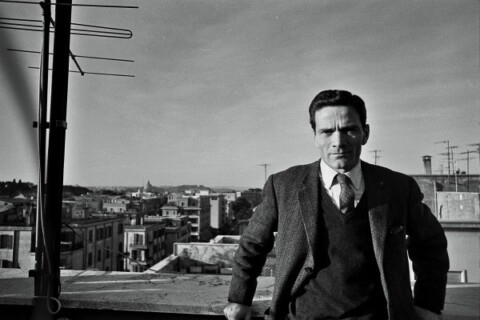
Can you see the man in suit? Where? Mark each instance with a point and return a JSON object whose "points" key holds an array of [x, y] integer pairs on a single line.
{"points": [[345, 230]]}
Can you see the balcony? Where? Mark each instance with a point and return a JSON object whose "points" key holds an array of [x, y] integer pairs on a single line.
{"points": [[138, 246], [124, 295]]}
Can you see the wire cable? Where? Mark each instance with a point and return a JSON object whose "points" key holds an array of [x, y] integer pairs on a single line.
{"points": [[95, 73], [77, 55], [73, 5]]}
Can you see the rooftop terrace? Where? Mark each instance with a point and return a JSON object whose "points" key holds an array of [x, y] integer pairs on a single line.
{"points": [[124, 295]]}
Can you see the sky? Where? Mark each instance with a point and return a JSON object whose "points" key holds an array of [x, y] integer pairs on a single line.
{"points": [[223, 87]]}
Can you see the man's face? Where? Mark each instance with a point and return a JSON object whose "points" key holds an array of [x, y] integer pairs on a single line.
{"points": [[339, 135]]}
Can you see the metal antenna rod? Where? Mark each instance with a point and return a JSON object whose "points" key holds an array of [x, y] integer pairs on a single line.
{"points": [[448, 156], [468, 166], [478, 148], [376, 156], [265, 165]]}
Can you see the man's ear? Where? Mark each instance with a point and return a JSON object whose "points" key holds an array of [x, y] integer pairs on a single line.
{"points": [[366, 133]]}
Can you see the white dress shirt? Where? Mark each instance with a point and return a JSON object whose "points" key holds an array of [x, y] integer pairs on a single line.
{"points": [[333, 188]]}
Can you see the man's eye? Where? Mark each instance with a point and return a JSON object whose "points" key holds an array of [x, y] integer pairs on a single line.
{"points": [[351, 131]]}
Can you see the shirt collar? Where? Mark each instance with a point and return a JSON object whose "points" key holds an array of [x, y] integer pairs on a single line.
{"points": [[328, 175]]}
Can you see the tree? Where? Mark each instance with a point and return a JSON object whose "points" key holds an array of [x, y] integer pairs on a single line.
{"points": [[242, 209]]}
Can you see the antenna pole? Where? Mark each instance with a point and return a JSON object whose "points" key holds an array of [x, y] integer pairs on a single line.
{"points": [[448, 160], [47, 305], [478, 148], [468, 166], [376, 156], [40, 274], [265, 165]]}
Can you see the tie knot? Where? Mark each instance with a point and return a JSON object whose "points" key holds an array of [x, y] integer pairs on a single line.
{"points": [[343, 179]]}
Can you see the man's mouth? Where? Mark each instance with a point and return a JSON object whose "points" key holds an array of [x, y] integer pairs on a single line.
{"points": [[341, 154]]}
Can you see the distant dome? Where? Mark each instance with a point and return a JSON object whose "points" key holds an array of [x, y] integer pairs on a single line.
{"points": [[148, 187]]}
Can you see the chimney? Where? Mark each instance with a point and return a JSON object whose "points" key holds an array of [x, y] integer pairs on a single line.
{"points": [[427, 163]]}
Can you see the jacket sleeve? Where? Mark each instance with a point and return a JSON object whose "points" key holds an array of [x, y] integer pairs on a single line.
{"points": [[427, 248], [256, 242]]}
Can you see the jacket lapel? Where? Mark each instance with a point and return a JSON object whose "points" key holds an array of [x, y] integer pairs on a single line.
{"points": [[308, 197], [377, 199]]}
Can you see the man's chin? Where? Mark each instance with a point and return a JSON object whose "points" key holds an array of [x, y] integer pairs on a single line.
{"points": [[341, 166]]}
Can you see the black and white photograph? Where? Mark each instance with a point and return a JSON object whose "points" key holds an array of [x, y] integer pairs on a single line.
{"points": [[240, 159]]}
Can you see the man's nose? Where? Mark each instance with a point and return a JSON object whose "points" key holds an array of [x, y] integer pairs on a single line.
{"points": [[338, 139]]}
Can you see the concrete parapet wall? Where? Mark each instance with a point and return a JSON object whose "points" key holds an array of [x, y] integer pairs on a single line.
{"points": [[458, 206]]}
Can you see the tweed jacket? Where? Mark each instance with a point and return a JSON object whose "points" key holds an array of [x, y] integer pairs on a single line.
{"points": [[401, 227]]}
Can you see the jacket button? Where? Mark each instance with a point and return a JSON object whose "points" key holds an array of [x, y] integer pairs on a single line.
{"points": [[308, 270]]}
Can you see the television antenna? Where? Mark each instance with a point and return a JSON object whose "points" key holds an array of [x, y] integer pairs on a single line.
{"points": [[265, 165], [478, 148], [376, 156], [467, 158], [48, 227]]}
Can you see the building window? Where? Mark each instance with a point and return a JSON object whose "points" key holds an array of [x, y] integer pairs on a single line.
{"points": [[107, 253], [6, 241], [6, 264], [99, 255], [100, 234], [90, 262], [138, 239], [120, 228]]}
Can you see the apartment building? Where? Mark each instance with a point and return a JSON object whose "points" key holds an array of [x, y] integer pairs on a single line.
{"points": [[199, 217], [198, 212], [177, 229], [218, 210], [93, 244], [17, 247], [144, 244], [85, 206], [116, 204]]}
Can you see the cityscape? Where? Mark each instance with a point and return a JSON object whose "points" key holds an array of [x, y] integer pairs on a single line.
{"points": [[135, 229], [113, 230]]}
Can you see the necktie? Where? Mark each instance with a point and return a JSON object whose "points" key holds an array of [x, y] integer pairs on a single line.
{"points": [[347, 195]]}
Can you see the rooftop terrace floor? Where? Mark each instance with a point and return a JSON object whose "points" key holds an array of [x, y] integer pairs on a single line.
{"points": [[124, 295]]}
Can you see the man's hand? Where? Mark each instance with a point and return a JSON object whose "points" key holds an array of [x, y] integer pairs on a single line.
{"points": [[424, 314], [236, 311]]}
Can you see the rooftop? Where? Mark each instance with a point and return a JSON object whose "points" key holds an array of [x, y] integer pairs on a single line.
{"points": [[128, 295]]}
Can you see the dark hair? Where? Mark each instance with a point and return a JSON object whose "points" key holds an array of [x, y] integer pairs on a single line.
{"points": [[337, 98]]}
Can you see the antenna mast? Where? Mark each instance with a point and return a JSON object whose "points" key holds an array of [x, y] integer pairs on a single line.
{"points": [[376, 156], [265, 165]]}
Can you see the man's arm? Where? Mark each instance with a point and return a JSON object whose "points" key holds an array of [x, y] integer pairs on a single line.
{"points": [[424, 314], [256, 242], [427, 248]]}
